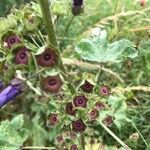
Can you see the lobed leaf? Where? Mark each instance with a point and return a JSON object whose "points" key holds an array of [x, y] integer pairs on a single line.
{"points": [[97, 49]]}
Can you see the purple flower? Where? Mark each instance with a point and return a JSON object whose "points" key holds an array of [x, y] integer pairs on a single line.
{"points": [[87, 87], [53, 119], [78, 126], [80, 101], [21, 56], [108, 121], [60, 139], [11, 92], [93, 114], [47, 59], [74, 147], [1, 85], [92, 141], [12, 40], [77, 2], [99, 105], [105, 91], [73, 135], [69, 109], [77, 7]]}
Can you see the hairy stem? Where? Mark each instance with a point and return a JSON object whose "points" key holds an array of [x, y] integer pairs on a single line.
{"points": [[65, 32], [44, 5], [114, 136], [34, 75], [133, 88], [139, 134], [82, 141], [38, 147], [89, 66]]}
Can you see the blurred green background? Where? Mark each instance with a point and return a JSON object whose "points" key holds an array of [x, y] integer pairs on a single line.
{"points": [[7, 5]]}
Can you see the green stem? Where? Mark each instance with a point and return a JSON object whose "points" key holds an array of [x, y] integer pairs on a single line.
{"points": [[38, 147], [82, 138], [66, 30], [34, 75], [34, 41], [115, 137], [44, 5], [139, 134], [98, 76]]}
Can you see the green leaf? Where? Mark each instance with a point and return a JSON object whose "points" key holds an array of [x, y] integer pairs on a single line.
{"points": [[60, 7], [39, 134], [97, 49], [40, 50], [36, 90], [118, 108], [52, 72], [12, 135], [17, 122], [32, 26], [7, 23]]}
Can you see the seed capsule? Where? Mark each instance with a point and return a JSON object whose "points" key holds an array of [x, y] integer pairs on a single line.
{"points": [[52, 84]]}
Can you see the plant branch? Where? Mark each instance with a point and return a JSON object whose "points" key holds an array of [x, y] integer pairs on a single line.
{"points": [[38, 147], [44, 5], [70, 62], [146, 28], [82, 138], [66, 30], [114, 136], [89, 66], [134, 88], [139, 134], [34, 75], [114, 17]]}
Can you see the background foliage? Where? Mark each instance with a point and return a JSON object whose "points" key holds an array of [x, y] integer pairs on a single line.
{"points": [[122, 19]]}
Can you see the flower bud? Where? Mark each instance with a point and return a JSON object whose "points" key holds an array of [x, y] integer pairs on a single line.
{"points": [[93, 114], [69, 109], [74, 147], [60, 139], [32, 22], [108, 121], [52, 119], [77, 7], [99, 105], [52, 84]]}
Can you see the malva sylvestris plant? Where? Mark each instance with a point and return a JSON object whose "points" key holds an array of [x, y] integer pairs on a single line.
{"points": [[36, 65]]}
